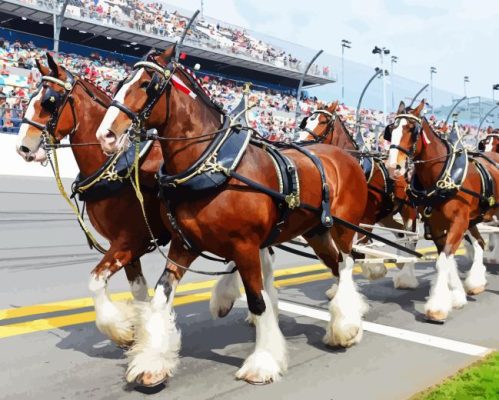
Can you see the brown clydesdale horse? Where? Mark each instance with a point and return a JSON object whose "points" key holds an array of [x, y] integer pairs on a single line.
{"points": [[491, 141], [412, 138], [233, 221], [384, 198], [66, 105]]}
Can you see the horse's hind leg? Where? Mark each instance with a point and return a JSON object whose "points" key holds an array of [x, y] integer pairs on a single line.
{"points": [[475, 279], [226, 291], [269, 359], [113, 319], [137, 281]]}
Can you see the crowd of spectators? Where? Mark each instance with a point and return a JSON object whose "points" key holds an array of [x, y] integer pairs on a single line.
{"points": [[273, 113], [154, 18]]}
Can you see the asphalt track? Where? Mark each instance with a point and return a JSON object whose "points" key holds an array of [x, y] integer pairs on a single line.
{"points": [[50, 348]]}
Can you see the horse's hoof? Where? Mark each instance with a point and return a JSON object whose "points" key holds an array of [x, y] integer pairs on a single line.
{"points": [[150, 379], [436, 316], [475, 291]]}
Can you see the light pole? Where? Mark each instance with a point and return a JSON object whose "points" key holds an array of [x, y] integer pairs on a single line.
{"points": [[382, 52], [433, 71], [494, 88], [344, 44], [394, 61], [465, 81]]}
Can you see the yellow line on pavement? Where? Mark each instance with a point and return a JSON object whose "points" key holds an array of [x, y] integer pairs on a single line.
{"points": [[43, 324]]}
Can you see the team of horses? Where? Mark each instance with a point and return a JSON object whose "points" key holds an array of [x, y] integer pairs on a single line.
{"points": [[225, 190]]}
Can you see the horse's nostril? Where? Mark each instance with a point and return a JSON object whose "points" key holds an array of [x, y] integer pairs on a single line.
{"points": [[24, 149], [398, 167], [110, 135]]}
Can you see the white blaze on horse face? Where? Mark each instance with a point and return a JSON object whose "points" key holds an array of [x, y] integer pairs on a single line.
{"points": [[312, 123], [396, 138], [112, 112], [488, 144], [24, 139]]}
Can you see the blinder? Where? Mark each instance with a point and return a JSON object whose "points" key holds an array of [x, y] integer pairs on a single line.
{"points": [[387, 135], [481, 145], [303, 123], [154, 86], [51, 100]]}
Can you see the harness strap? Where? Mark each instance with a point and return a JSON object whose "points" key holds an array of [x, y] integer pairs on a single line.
{"points": [[326, 219]]}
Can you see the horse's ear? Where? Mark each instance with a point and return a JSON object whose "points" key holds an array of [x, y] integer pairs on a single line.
{"points": [[489, 130], [166, 56], [401, 109], [54, 67], [333, 106], [42, 68], [417, 111]]}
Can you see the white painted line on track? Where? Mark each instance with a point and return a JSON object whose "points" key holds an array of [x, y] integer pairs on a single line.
{"points": [[402, 334]]}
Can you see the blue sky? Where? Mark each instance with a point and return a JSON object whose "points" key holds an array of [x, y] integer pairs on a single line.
{"points": [[459, 37]]}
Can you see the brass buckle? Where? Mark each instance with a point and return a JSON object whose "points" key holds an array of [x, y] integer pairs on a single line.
{"points": [[292, 200]]}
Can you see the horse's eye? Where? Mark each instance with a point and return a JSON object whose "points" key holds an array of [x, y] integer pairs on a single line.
{"points": [[144, 84]]}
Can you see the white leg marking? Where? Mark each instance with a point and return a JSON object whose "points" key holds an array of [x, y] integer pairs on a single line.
{"points": [[225, 293], [269, 359], [113, 319], [373, 271], [331, 292], [455, 285], [154, 356], [405, 278], [266, 261], [476, 278], [440, 302], [346, 309]]}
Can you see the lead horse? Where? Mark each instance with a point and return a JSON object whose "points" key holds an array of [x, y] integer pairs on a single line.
{"points": [[385, 198], [456, 195], [67, 106], [236, 215]]}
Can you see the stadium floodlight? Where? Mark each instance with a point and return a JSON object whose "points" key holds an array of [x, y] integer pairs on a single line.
{"points": [[433, 70], [382, 51], [108, 37], [133, 43], [466, 80], [82, 31], [494, 88], [24, 18], [345, 44]]}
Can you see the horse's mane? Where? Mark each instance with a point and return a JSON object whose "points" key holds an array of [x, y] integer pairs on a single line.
{"points": [[96, 91]]}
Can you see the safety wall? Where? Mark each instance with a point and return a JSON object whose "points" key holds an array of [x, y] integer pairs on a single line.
{"points": [[12, 164]]}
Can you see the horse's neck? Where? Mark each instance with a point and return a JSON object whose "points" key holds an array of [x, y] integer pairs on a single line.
{"points": [[341, 137], [188, 118], [89, 115], [433, 156]]}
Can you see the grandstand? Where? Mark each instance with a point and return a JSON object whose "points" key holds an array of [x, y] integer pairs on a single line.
{"points": [[101, 39]]}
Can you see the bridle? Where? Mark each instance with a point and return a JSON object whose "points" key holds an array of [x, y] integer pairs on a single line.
{"points": [[154, 91], [319, 138], [59, 103], [415, 133]]}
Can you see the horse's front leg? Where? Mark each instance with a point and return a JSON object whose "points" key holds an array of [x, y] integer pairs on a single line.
{"points": [[447, 291], [405, 278], [113, 319], [154, 355], [269, 359]]}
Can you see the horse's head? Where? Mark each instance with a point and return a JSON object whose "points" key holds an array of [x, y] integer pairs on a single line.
{"points": [[139, 102], [47, 112], [318, 124], [491, 142], [403, 135]]}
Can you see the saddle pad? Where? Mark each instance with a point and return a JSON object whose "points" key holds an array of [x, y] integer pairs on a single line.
{"points": [[102, 184]]}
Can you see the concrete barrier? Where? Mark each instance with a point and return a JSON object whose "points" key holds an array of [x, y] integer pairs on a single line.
{"points": [[12, 164]]}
